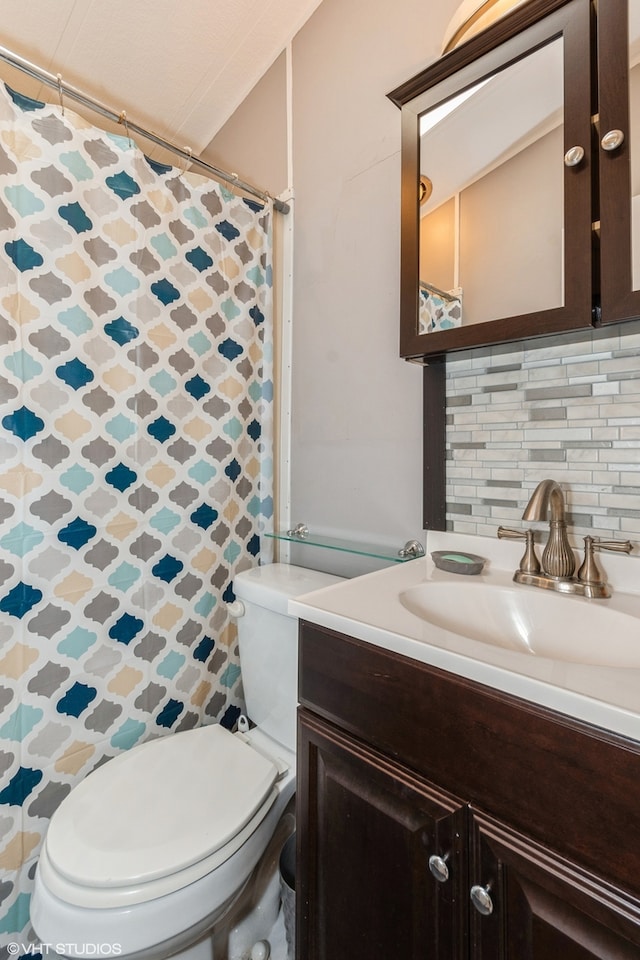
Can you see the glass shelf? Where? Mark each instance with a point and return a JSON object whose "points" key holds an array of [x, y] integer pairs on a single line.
{"points": [[300, 535]]}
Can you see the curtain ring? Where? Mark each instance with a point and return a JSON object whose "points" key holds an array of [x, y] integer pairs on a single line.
{"points": [[122, 118], [59, 79], [187, 161]]}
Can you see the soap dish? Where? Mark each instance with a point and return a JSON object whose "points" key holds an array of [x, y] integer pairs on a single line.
{"points": [[453, 561]]}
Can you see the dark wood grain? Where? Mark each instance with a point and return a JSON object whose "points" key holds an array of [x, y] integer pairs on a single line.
{"points": [[434, 393], [619, 301], [545, 908], [481, 45], [565, 784], [367, 828]]}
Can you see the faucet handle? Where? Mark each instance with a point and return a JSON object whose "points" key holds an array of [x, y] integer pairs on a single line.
{"points": [[506, 533], [615, 546], [529, 562], [590, 572]]}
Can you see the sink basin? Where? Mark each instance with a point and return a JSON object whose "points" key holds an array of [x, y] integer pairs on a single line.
{"points": [[530, 621]]}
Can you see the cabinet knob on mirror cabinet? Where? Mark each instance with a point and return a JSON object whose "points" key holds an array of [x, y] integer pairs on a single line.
{"points": [[481, 899], [612, 140], [438, 867], [573, 156]]}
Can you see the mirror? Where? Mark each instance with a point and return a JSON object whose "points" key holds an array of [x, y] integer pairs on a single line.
{"points": [[501, 246], [491, 232]]}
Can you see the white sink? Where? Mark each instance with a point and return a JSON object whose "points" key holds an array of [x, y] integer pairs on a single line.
{"points": [[535, 622], [572, 654]]}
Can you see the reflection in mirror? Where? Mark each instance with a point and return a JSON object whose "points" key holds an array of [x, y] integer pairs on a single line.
{"points": [[491, 233], [437, 309], [634, 137]]}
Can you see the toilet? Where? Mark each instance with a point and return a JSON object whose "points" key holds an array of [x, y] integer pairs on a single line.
{"points": [[149, 855]]}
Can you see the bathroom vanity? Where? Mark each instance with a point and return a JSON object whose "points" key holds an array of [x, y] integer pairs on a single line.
{"points": [[450, 805]]}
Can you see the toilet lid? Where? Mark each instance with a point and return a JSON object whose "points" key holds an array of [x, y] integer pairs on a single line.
{"points": [[158, 808]]}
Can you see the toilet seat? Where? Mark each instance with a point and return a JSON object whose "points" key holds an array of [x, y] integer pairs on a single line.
{"points": [[107, 846]]}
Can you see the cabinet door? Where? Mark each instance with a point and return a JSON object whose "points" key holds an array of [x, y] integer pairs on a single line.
{"points": [[619, 158], [500, 130], [367, 829], [529, 904]]}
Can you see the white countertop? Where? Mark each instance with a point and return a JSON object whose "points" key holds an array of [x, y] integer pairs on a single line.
{"points": [[369, 608]]}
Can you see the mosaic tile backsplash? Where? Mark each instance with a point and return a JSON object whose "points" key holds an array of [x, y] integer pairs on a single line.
{"points": [[135, 457], [566, 407]]}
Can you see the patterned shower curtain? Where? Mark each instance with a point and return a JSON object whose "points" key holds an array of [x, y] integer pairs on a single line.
{"points": [[135, 457]]}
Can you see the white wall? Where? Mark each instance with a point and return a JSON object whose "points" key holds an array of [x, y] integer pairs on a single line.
{"points": [[357, 408], [253, 142], [357, 420]]}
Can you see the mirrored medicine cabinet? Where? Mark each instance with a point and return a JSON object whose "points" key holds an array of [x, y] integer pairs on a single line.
{"points": [[520, 212]]}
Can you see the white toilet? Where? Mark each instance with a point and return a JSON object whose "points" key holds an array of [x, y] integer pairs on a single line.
{"points": [[151, 852]]}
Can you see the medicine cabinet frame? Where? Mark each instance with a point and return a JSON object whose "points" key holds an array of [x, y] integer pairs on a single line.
{"points": [[518, 34]]}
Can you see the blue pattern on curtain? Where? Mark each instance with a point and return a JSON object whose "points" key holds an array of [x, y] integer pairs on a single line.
{"points": [[135, 457]]}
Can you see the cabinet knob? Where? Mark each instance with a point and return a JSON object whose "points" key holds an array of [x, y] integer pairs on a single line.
{"points": [[612, 140], [481, 900], [573, 156], [438, 867]]}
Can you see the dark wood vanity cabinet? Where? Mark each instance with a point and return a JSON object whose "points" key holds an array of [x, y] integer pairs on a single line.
{"points": [[439, 819], [544, 907], [368, 889]]}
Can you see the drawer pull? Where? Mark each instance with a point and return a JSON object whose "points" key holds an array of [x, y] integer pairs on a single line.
{"points": [[612, 140], [574, 156], [438, 867], [481, 899]]}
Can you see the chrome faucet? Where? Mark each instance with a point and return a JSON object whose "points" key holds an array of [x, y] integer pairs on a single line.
{"points": [[555, 570]]}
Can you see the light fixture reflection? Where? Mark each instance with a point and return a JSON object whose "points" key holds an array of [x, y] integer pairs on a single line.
{"points": [[425, 189]]}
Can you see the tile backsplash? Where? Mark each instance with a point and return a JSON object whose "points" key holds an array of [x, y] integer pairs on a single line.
{"points": [[566, 407]]}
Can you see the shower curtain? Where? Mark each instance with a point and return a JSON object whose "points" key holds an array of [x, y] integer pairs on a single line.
{"points": [[135, 457]]}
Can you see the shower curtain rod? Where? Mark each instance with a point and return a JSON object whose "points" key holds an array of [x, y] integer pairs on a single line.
{"points": [[73, 93]]}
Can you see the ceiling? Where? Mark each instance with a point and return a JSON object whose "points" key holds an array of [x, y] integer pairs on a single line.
{"points": [[177, 67]]}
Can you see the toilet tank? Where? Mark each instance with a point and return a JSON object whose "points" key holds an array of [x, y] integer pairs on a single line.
{"points": [[268, 643]]}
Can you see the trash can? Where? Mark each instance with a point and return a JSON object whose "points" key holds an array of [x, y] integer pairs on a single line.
{"points": [[288, 892]]}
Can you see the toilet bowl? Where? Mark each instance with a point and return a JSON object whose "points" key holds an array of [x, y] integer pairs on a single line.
{"points": [[164, 879], [147, 855]]}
